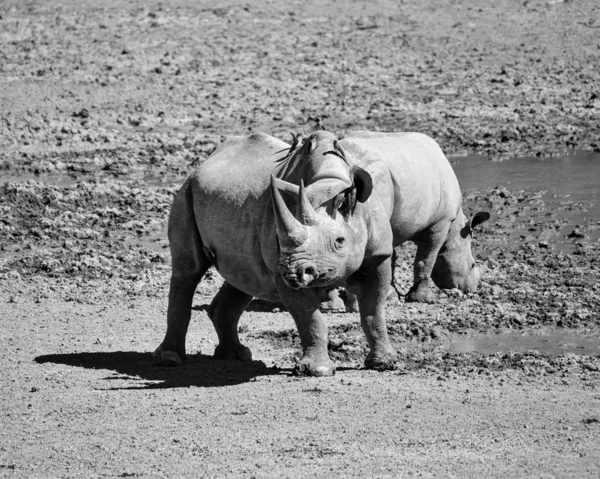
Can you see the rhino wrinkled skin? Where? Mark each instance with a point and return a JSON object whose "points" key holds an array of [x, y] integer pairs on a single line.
{"points": [[329, 213]]}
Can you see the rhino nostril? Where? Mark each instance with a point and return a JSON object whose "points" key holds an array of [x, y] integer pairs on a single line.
{"points": [[310, 270], [306, 274]]}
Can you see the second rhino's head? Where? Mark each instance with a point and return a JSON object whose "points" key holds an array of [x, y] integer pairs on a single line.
{"points": [[321, 232], [455, 266]]}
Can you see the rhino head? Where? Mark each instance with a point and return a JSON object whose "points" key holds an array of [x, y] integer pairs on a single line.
{"points": [[323, 236], [455, 266]]}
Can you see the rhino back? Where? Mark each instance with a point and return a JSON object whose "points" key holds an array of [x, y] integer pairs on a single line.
{"points": [[231, 203], [424, 189]]}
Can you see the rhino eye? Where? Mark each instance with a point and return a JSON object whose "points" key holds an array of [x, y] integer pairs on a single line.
{"points": [[340, 242]]}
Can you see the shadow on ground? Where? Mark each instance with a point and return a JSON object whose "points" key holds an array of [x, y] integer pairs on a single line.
{"points": [[199, 370]]}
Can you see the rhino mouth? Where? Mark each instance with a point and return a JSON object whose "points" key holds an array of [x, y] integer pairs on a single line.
{"points": [[306, 281]]}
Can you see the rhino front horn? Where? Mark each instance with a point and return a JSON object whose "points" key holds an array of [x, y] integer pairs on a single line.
{"points": [[290, 231]]}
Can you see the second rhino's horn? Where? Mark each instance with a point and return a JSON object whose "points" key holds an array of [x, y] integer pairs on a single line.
{"points": [[290, 231], [305, 212]]}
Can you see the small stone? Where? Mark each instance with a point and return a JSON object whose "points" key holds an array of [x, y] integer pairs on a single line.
{"points": [[83, 113], [576, 233]]}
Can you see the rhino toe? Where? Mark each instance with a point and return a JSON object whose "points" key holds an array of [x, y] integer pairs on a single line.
{"points": [[421, 295], [228, 353], [167, 358], [306, 367], [384, 362]]}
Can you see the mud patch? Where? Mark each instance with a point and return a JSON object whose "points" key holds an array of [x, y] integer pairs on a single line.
{"points": [[347, 346]]}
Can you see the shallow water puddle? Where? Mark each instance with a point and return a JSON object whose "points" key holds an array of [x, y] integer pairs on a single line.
{"points": [[569, 193], [574, 176], [549, 342]]}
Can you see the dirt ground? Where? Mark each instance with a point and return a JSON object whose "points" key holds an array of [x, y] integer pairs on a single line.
{"points": [[104, 109]]}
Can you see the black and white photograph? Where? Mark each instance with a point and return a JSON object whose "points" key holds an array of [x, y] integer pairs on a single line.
{"points": [[297, 239]]}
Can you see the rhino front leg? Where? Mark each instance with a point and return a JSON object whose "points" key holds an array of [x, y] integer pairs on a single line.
{"points": [[225, 311], [428, 244], [303, 305], [351, 300], [315, 360], [372, 285]]}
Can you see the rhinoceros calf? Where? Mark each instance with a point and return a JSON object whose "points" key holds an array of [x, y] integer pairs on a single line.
{"points": [[416, 185], [282, 231]]}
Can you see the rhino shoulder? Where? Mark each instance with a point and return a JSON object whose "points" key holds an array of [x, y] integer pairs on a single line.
{"points": [[240, 166], [379, 229], [253, 141]]}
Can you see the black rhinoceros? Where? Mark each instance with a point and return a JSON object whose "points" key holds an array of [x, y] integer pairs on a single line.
{"points": [[420, 193], [234, 213], [353, 202]]}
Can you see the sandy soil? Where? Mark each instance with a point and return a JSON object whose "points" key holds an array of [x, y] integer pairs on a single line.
{"points": [[113, 105]]}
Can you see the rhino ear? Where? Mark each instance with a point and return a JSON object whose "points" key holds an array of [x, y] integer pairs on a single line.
{"points": [[478, 218], [363, 183]]}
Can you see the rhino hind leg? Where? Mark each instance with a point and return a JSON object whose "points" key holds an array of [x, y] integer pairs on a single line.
{"points": [[428, 244], [394, 291], [189, 264], [225, 311], [171, 351]]}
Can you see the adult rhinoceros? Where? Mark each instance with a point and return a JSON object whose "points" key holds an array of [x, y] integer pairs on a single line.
{"points": [[420, 193], [234, 213]]}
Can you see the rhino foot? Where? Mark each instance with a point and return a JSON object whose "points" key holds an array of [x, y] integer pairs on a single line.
{"points": [[421, 295], [331, 301], [307, 367], [233, 353], [350, 301], [333, 305], [163, 357], [382, 362]]}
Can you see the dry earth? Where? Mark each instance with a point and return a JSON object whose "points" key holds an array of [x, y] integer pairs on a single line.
{"points": [[112, 105]]}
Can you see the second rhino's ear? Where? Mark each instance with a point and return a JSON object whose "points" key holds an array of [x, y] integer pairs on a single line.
{"points": [[478, 218], [363, 183]]}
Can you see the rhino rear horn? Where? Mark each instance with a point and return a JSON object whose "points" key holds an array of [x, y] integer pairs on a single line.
{"points": [[305, 212], [290, 231], [338, 151]]}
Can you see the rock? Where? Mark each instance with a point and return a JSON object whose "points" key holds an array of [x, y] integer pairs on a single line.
{"points": [[576, 233]]}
